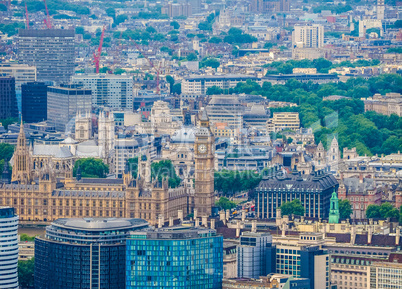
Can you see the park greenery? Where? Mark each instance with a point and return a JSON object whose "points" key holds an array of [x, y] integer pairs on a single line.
{"points": [[386, 210], [209, 62], [229, 183], [207, 25], [225, 204], [91, 168], [345, 209], [26, 238], [26, 273], [165, 169], [294, 207], [369, 132], [237, 36]]}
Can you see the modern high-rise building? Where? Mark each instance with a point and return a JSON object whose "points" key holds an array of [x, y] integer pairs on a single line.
{"points": [[52, 51], [63, 103], [255, 255], [313, 190], [8, 99], [304, 261], [110, 90], [308, 36], [22, 73], [34, 101], [226, 109], [8, 248], [173, 258], [84, 253]]}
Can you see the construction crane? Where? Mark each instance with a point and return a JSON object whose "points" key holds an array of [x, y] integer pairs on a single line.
{"points": [[98, 53], [26, 15], [152, 65], [47, 20]]}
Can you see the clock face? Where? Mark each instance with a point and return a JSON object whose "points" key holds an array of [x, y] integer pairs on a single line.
{"points": [[202, 149]]}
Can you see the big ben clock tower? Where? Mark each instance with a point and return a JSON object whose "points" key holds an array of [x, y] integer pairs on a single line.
{"points": [[204, 152]]}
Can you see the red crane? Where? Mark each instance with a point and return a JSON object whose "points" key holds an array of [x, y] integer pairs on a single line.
{"points": [[152, 65], [26, 15], [47, 20], [97, 54]]}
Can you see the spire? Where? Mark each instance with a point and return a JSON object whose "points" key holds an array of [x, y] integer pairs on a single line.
{"points": [[334, 209], [22, 163]]}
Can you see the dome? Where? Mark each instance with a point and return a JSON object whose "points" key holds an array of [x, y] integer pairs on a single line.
{"points": [[184, 135]]}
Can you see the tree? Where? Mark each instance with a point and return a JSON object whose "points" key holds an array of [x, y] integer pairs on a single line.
{"points": [[176, 88], [192, 57], [26, 273], [214, 90], [133, 166], [79, 30], [150, 29], [345, 209], [384, 211], [175, 24], [120, 19], [210, 62], [111, 12], [165, 169], [3, 7], [215, 40], [225, 204], [170, 80], [6, 151], [294, 207], [91, 168], [25, 237]]}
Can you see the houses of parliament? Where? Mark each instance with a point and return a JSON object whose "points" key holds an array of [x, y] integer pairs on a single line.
{"points": [[40, 196]]}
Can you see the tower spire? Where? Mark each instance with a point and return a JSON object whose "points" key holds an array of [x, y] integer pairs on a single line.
{"points": [[22, 165]]}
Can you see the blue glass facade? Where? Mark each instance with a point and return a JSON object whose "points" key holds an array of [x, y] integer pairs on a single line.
{"points": [[174, 260]]}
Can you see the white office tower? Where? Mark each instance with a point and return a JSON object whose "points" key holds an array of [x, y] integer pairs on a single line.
{"points": [[308, 36], [106, 133], [380, 9], [114, 91], [8, 248]]}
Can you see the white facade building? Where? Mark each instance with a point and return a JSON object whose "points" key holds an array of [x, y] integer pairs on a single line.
{"points": [[115, 91], [308, 36], [8, 248]]}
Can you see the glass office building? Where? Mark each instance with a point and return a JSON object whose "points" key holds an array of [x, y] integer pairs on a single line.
{"points": [[86, 253], [174, 258]]}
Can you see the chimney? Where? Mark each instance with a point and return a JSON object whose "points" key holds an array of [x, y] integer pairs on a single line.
{"points": [[195, 214], [213, 224], [397, 235], [205, 221], [160, 221], [324, 229], [227, 215], [196, 222], [222, 216], [254, 226], [243, 215], [369, 234], [352, 234], [237, 229], [180, 215], [170, 221], [283, 230], [371, 221], [360, 178], [278, 217]]}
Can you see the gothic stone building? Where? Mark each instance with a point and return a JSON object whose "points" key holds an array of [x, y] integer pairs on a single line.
{"points": [[49, 198]]}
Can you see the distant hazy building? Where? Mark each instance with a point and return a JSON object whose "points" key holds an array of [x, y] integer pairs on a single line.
{"points": [[173, 258], [308, 36], [22, 74], [63, 102], [8, 99], [255, 255], [195, 6], [114, 91], [226, 109], [52, 51], [34, 101], [177, 9], [198, 85], [84, 253], [380, 9], [390, 103], [9, 248]]}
